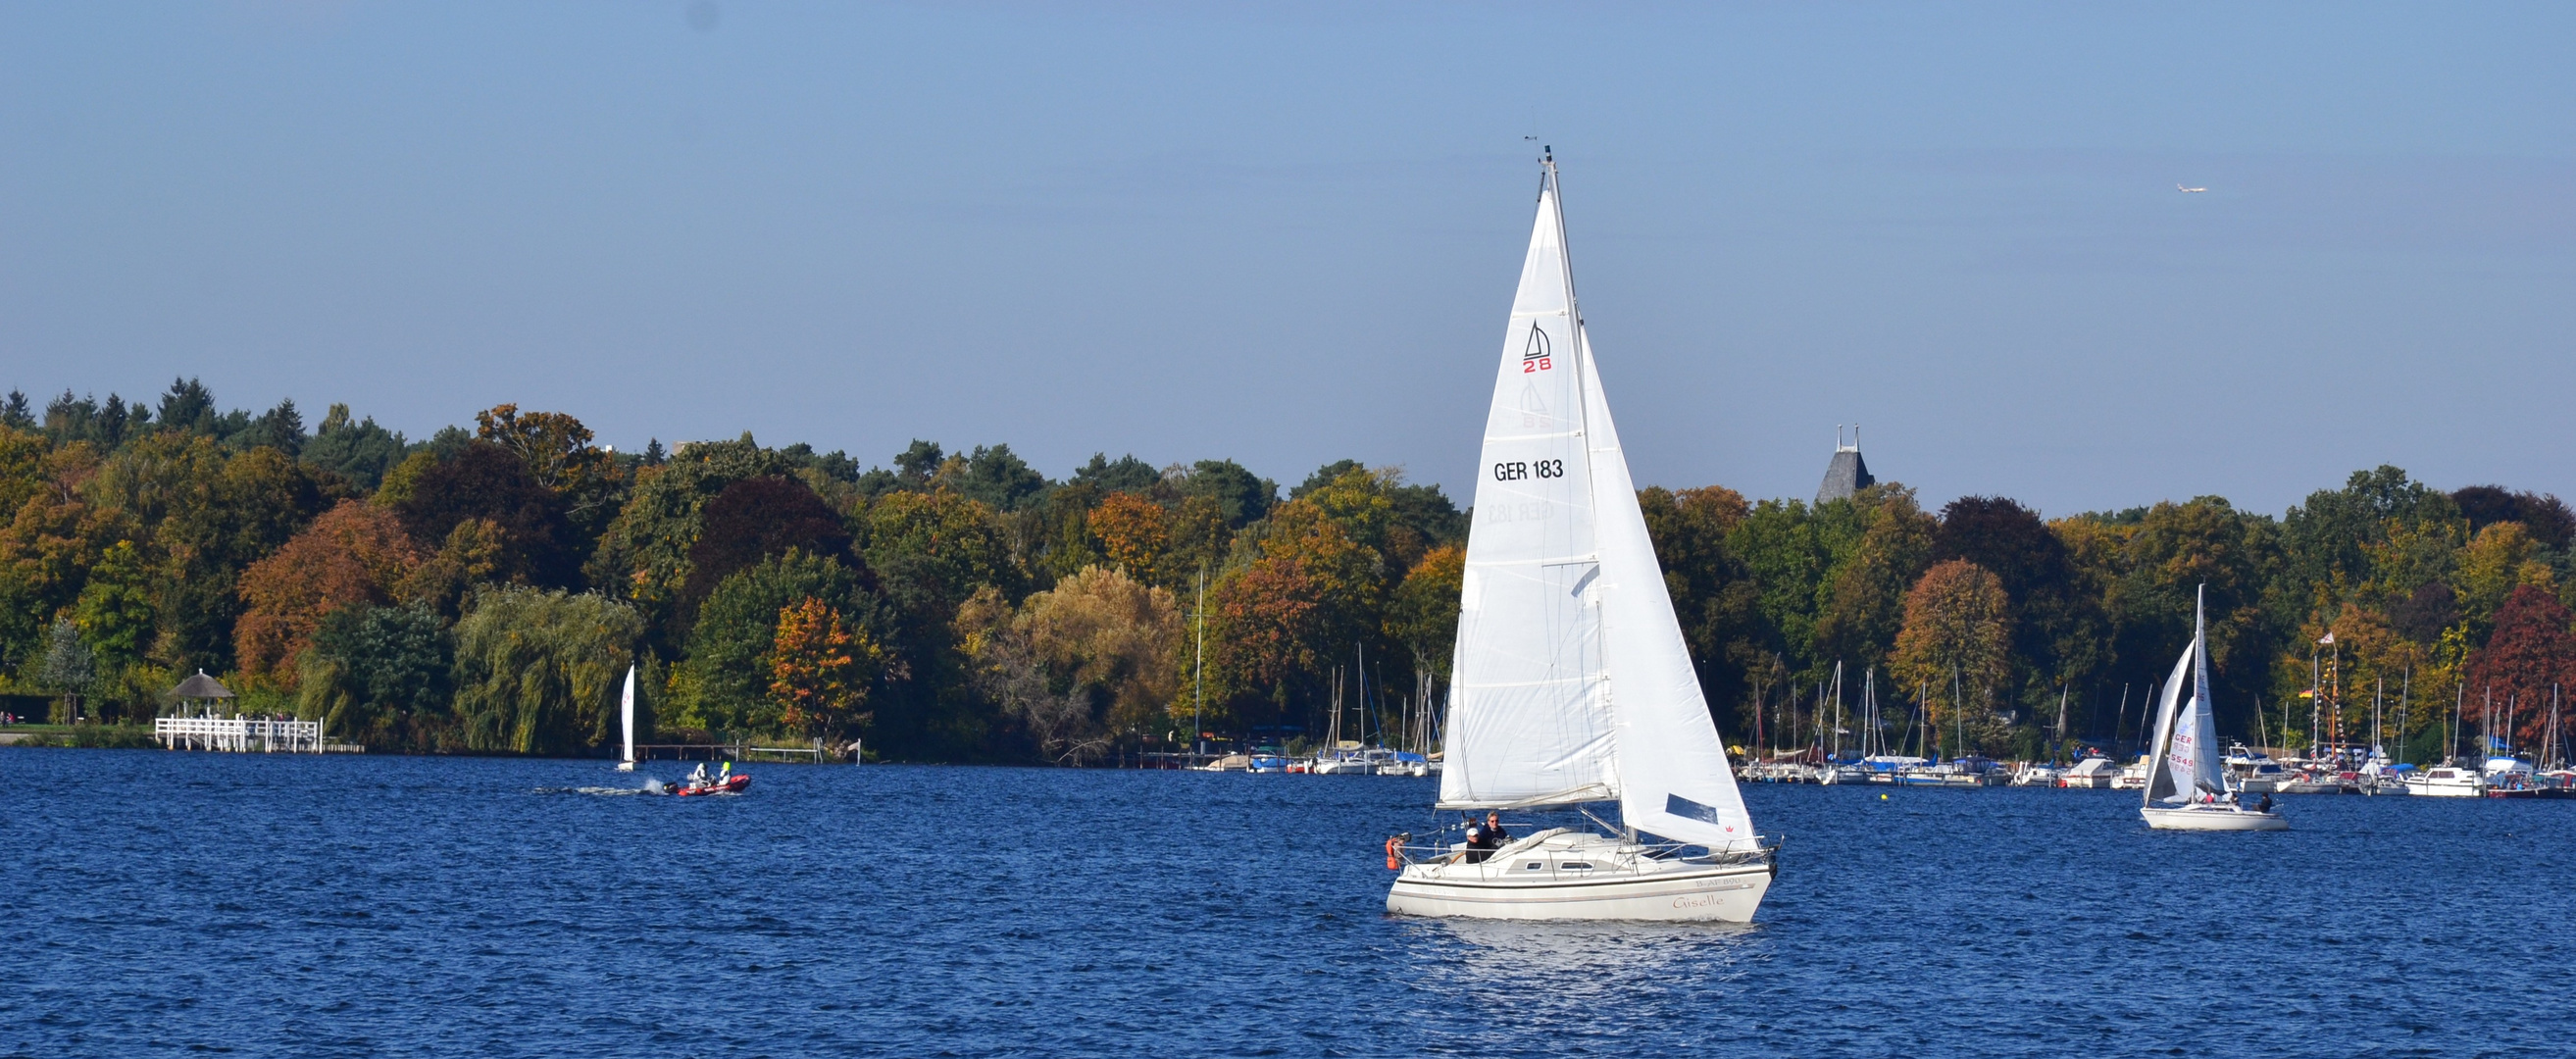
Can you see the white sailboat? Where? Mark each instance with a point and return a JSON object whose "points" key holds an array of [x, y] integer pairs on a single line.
{"points": [[626, 710], [1571, 683], [2185, 771]]}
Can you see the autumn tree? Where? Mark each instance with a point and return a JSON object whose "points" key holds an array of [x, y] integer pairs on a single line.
{"points": [[1134, 534], [2531, 656], [1422, 613], [558, 453], [1958, 629], [820, 669], [356, 554]]}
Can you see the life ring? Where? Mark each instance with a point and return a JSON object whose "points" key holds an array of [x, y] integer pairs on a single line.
{"points": [[1394, 856]]}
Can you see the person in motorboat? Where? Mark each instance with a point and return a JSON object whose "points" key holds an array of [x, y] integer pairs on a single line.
{"points": [[699, 778]]}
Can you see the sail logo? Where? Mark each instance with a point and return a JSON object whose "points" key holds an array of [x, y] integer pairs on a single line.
{"points": [[1535, 356]]}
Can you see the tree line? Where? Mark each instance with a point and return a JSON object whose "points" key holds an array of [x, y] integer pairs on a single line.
{"points": [[485, 589]]}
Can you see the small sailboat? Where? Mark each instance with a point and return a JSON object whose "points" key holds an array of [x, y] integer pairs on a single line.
{"points": [[1571, 683], [2185, 772], [626, 710]]}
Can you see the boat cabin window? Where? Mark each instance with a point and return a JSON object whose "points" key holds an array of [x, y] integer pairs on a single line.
{"points": [[1576, 865], [2440, 774], [1533, 866]]}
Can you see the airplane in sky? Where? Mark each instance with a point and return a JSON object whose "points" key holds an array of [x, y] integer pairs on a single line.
{"points": [[2189, 191]]}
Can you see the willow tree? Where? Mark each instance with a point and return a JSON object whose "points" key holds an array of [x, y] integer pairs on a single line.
{"points": [[537, 670]]}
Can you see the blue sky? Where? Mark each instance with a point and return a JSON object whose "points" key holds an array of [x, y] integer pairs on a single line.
{"points": [[1288, 234]]}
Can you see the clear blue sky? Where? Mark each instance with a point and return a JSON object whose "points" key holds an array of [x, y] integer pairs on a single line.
{"points": [[1288, 233]]}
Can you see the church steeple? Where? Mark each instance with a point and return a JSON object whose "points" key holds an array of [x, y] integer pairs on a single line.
{"points": [[1847, 474]]}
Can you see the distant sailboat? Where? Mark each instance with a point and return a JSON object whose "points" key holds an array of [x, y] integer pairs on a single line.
{"points": [[2185, 771], [627, 711], [1571, 681]]}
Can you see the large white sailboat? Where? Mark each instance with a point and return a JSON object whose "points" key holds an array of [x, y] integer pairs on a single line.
{"points": [[2185, 771], [1571, 685]]}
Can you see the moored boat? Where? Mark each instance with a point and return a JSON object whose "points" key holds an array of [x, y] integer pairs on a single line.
{"points": [[2446, 781], [2092, 773]]}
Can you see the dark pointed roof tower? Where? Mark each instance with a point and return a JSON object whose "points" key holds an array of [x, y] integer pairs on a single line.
{"points": [[1848, 474]]}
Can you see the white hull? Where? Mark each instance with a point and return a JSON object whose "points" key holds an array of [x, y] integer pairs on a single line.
{"points": [[2212, 818], [1620, 884], [625, 766]]}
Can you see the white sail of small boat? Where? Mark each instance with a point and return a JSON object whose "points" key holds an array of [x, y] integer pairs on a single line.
{"points": [[1571, 683], [626, 710], [2187, 783]]}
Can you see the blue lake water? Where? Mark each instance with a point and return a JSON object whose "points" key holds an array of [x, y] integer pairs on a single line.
{"points": [[161, 903]]}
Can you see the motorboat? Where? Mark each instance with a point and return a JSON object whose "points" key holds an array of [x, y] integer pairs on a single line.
{"points": [[2132, 776], [2031, 775], [2186, 777], [2253, 771], [2447, 781], [1404, 763], [1266, 762], [726, 782], [1965, 773], [2092, 773], [1562, 600], [2511, 777], [1355, 760]]}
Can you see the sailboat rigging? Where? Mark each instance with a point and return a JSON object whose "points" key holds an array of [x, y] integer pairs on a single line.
{"points": [[1571, 683]]}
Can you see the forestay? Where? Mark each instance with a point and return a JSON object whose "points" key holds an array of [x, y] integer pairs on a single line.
{"points": [[1571, 681]]}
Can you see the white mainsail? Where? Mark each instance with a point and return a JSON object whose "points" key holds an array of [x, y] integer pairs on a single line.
{"points": [[1571, 681], [627, 711]]}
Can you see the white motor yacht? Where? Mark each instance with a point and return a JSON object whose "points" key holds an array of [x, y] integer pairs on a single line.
{"points": [[2447, 781], [2092, 773], [1562, 601], [2037, 776]]}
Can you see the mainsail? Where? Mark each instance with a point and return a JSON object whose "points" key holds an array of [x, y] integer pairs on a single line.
{"points": [[1571, 681], [627, 711]]}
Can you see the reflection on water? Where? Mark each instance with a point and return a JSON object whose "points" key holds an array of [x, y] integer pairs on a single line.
{"points": [[1578, 961]]}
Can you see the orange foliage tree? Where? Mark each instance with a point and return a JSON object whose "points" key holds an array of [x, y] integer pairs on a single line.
{"points": [[820, 668], [1135, 533], [354, 553]]}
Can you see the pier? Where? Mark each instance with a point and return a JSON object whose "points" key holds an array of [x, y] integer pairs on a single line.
{"points": [[241, 734]]}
